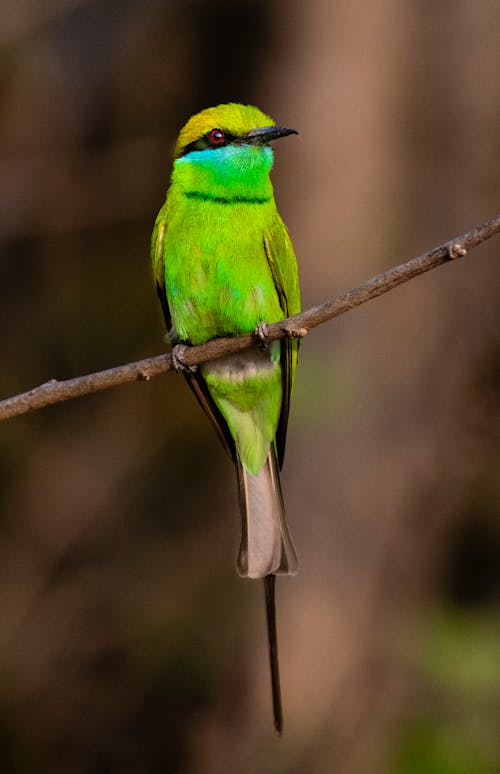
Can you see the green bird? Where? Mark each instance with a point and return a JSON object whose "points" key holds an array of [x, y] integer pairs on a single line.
{"points": [[224, 264]]}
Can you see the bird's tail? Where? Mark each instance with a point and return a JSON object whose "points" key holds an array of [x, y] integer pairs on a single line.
{"points": [[266, 549], [266, 546]]}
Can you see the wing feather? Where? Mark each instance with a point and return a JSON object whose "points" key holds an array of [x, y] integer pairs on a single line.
{"points": [[283, 265], [194, 380], [158, 264]]}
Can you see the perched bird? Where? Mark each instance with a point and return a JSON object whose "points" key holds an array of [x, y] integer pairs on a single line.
{"points": [[223, 265]]}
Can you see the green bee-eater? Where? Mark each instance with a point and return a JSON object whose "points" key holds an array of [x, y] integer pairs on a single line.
{"points": [[223, 263]]}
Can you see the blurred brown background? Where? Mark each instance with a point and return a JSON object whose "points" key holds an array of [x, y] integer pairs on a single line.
{"points": [[127, 642]]}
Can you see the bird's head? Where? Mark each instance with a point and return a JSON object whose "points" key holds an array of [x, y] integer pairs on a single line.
{"points": [[225, 125], [228, 144]]}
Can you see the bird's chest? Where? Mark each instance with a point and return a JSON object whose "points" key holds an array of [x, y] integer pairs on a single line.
{"points": [[218, 279]]}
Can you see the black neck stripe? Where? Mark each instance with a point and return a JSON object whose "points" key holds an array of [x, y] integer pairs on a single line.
{"points": [[205, 197]]}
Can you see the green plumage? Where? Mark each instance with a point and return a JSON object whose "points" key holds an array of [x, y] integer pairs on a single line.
{"points": [[223, 263]]}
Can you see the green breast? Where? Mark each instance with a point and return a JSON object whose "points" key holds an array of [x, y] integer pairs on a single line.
{"points": [[217, 276]]}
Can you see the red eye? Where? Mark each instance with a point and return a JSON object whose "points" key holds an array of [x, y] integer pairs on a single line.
{"points": [[216, 137]]}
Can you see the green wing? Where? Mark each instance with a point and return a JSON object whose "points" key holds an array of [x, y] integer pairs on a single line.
{"points": [[283, 264], [158, 264], [194, 380]]}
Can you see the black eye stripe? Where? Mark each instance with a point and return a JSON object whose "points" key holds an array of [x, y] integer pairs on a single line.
{"points": [[228, 138], [203, 143]]}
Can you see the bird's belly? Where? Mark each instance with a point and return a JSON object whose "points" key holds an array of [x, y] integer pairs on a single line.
{"points": [[247, 389]]}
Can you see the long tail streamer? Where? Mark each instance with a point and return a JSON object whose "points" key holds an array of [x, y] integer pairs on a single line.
{"points": [[269, 586]]}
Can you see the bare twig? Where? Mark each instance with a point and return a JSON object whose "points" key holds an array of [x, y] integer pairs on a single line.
{"points": [[298, 325]]}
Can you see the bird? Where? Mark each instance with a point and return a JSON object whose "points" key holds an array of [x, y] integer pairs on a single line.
{"points": [[224, 265]]}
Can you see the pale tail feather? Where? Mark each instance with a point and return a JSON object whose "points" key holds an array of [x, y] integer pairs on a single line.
{"points": [[266, 545]]}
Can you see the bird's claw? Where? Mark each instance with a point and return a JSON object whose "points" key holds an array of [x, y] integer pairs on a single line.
{"points": [[179, 359], [456, 250], [295, 333], [261, 333]]}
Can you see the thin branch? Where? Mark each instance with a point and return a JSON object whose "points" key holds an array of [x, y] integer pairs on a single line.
{"points": [[298, 325]]}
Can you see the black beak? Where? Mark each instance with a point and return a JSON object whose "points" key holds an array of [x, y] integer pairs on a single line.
{"points": [[264, 135]]}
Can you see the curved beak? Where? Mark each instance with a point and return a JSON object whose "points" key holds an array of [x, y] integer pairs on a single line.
{"points": [[264, 135]]}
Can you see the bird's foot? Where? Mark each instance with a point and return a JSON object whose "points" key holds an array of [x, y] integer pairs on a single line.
{"points": [[179, 359], [261, 333], [456, 250], [295, 333]]}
